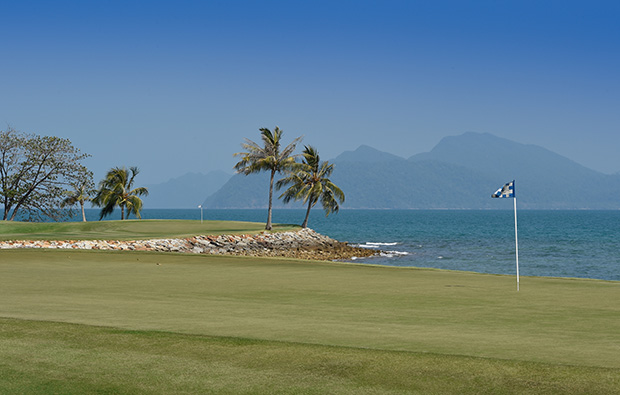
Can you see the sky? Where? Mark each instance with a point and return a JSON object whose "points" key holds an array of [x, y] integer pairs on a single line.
{"points": [[175, 86]]}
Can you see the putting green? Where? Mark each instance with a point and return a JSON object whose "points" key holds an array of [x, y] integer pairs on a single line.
{"points": [[558, 321]]}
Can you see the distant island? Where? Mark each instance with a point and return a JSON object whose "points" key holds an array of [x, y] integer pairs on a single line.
{"points": [[186, 191], [460, 172]]}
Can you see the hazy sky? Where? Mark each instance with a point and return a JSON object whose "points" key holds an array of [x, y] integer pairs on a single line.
{"points": [[175, 86]]}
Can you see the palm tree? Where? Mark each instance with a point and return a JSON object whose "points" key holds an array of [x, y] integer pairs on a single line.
{"points": [[82, 190], [267, 158], [115, 190], [310, 183]]}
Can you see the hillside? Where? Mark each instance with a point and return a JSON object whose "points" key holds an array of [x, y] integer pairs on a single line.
{"points": [[186, 191], [243, 191], [460, 172], [544, 179]]}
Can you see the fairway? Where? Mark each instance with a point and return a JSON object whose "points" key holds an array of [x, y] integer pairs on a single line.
{"points": [[128, 229]]}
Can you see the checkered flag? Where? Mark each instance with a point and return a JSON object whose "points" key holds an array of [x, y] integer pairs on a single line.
{"points": [[507, 191]]}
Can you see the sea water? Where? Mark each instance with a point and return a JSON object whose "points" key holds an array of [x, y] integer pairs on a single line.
{"points": [[551, 243]]}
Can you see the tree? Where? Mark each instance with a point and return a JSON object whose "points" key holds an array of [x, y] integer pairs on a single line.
{"points": [[35, 171], [309, 182], [115, 190], [269, 157], [83, 188]]}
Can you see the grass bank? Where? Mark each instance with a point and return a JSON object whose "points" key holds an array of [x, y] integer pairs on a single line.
{"points": [[128, 229], [329, 327]]}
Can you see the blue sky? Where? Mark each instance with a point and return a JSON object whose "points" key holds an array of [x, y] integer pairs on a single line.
{"points": [[174, 87]]}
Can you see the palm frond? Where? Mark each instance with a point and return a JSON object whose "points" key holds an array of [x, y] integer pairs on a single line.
{"points": [[289, 149], [107, 209], [311, 156], [69, 201], [140, 191], [309, 182], [115, 190], [338, 194], [134, 206]]}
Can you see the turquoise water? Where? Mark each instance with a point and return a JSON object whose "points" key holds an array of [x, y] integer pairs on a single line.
{"points": [[551, 243]]}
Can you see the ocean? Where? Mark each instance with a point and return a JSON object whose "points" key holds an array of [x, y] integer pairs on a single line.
{"points": [[584, 244]]}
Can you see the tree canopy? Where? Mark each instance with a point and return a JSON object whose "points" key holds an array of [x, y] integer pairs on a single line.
{"points": [[269, 158], [35, 172], [309, 181], [83, 189], [116, 190]]}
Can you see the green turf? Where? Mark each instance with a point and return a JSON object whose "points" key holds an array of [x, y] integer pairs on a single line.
{"points": [[568, 321], [127, 230], [45, 357]]}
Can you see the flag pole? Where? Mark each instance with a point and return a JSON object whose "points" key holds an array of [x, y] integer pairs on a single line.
{"points": [[516, 242], [508, 191]]}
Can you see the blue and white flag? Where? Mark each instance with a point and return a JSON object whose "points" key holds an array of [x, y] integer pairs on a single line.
{"points": [[507, 191]]}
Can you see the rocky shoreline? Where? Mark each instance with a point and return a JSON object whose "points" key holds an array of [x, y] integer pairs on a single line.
{"points": [[303, 244]]}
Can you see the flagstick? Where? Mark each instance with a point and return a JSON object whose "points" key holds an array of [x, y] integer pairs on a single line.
{"points": [[516, 243]]}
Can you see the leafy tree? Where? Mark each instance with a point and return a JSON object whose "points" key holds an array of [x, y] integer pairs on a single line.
{"points": [[309, 182], [269, 157], [83, 188], [115, 190], [35, 171]]}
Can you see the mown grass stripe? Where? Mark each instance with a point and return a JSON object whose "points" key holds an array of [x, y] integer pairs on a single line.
{"points": [[48, 357]]}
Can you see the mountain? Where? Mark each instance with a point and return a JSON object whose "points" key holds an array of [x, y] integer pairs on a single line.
{"points": [[544, 179], [243, 191], [366, 154], [487, 153], [252, 191], [186, 191], [460, 172]]}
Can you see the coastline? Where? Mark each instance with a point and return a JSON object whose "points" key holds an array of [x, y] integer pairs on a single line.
{"points": [[302, 244], [556, 243]]}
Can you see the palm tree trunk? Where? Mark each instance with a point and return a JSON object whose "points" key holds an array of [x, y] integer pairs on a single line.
{"points": [[305, 224], [122, 213], [83, 214], [268, 226]]}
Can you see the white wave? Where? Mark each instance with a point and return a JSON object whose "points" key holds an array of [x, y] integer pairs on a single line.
{"points": [[373, 244], [392, 254]]}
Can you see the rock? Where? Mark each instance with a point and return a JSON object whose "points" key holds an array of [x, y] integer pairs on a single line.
{"points": [[304, 244]]}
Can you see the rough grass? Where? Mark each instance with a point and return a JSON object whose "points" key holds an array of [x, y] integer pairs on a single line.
{"points": [[317, 327], [128, 229]]}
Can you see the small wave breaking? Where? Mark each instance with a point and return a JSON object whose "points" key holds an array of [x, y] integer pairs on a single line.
{"points": [[375, 244], [378, 245], [392, 254]]}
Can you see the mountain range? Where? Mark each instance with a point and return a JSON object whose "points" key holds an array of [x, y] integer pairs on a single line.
{"points": [[460, 172], [186, 191]]}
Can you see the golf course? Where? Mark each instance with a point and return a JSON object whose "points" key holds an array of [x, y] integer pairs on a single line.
{"points": [[131, 322]]}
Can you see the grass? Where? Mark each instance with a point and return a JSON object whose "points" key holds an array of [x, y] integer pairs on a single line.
{"points": [[47, 357], [128, 229], [96, 321]]}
